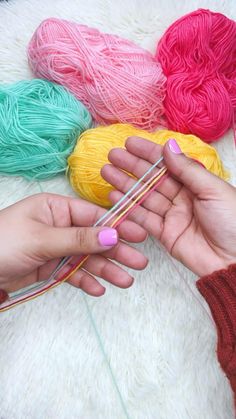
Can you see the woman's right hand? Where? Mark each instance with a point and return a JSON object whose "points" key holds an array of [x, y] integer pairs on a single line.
{"points": [[192, 213]]}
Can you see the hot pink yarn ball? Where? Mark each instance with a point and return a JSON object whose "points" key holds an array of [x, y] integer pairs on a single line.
{"points": [[198, 57], [115, 79]]}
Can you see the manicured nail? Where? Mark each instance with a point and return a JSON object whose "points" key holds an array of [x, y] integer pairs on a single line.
{"points": [[174, 146], [108, 237]]}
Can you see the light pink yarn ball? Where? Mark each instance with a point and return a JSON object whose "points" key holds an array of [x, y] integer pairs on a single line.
{"points": [[115, 79]]}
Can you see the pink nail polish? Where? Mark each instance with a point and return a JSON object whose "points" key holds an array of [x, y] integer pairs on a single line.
{"points": [[174, 146], [108, 237]]}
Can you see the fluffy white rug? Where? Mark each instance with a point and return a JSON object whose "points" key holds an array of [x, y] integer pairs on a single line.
{"points": [[153, 355]]}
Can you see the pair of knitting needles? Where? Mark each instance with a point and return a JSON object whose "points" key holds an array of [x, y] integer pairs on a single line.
{"points": [[112, 218]]}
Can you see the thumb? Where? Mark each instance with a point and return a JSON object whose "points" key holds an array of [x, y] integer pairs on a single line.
{"points": [[190, 173], [72, 241]]}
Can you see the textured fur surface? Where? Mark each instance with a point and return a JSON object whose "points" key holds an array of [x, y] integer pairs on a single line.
{"points": [[158, 338]]}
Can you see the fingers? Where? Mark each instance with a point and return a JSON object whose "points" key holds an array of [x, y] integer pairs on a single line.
{"points": [[133, 161], [151, 152], [131, 232], [184, 170], [123, 254], [145, 149], [156, 202], [104, 268], [65, 211], [53, 242], [150, 221], [127, 256], [109, 271], [195, 178], [68, 211], [128, 161], [84, 214], [86, 282], [101, 267]]}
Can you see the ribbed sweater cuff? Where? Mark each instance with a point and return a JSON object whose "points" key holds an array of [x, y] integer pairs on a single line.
{"points": [[219, 290]]}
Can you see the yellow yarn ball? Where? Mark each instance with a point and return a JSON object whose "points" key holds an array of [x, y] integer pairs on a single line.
{"points": [[93, 146]]}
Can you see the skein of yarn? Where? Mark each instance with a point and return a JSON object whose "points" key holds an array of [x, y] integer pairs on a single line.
{"points": [[198, 57], [116, 80], [39, 125], [85, 163]]}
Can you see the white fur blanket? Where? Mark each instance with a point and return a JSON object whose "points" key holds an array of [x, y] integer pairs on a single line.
{"points": [[153, 355]]}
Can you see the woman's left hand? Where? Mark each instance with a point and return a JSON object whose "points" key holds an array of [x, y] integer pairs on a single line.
{"points": [[38, 231]]}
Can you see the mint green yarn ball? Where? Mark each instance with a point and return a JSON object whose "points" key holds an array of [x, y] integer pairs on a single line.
{"points": [[40, 122]]}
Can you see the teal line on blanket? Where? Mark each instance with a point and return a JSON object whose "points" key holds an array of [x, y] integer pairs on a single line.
{"points": [[112, 375]]}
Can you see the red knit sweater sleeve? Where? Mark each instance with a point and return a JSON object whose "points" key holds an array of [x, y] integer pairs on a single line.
{"points": [[219, 290]]}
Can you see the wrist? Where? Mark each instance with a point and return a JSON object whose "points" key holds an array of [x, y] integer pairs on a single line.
{"points": [[214, 265]]}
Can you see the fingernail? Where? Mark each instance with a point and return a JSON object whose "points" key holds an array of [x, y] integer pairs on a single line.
{"points": [[174, 146], [108, 237]]}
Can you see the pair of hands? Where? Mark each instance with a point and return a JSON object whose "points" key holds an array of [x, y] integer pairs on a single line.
{"points": [[192, 214]]}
